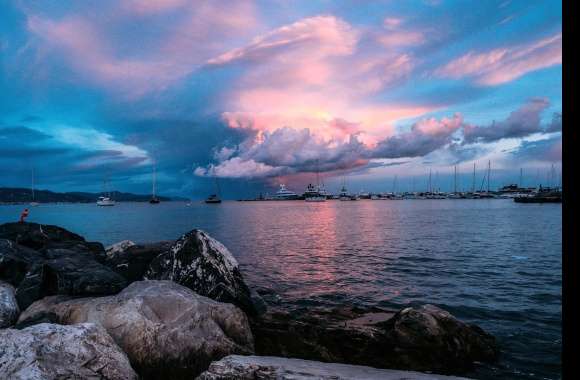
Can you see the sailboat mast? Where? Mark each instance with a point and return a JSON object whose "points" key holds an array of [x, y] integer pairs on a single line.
{"points": [[473, 181], [521, 178], [488, 174], [32, 184], [154, 179], [455, 180], [430, 188]]}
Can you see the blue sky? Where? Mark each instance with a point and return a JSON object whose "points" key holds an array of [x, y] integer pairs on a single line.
{"points": [[263, 92]]}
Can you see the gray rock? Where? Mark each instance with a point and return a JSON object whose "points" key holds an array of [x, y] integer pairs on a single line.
{"points": [[118, 247], [430, 338], [203, 264], [9, 310], [237, 367], [59, 267], [132, 261], [48, 351], [166, 330], [420, 339]]}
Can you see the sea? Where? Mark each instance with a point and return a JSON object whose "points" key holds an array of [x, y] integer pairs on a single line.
{"points": [[495, 263]]}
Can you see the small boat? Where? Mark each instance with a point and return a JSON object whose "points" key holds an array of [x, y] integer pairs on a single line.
{"points": [[213, 199], [105, 201]]}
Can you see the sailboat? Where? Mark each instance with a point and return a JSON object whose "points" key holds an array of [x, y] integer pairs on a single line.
{"points": [[154, 199], [105, 200], [214, 198], [33, 201]]}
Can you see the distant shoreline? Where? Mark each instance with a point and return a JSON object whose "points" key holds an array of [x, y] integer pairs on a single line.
{"points": [[17, 195]]}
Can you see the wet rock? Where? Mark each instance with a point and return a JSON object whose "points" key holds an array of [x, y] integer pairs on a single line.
{"points": [[430, 338], [132, 261], [203, 264], [421, 339], [9, 310], [48, 351], [15, 261], [237, 367], [40, 237], [167, 330], [59, 267]]}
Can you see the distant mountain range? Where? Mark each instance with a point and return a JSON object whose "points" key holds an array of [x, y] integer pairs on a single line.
{"points": [[22, 195]]}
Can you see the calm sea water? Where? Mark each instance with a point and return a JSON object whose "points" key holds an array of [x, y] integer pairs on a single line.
{"points": [[491, 262]]}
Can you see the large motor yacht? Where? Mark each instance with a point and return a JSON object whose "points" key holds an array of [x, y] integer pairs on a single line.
{"points": [[284, 194]]}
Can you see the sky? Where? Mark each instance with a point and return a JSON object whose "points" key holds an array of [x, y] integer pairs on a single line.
{"points": [[377, 94]]}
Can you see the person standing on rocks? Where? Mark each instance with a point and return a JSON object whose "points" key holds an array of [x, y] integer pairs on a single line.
{"points": [[23, 215]]}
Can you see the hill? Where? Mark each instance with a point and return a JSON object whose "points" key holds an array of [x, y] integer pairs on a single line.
{"points": [[22, 195]]}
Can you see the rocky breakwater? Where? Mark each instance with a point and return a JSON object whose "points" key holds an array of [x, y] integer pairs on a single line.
{"points": [[166, 330], [173, 308]]}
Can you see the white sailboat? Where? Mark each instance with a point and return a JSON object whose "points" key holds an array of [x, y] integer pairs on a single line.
{"points": [[105, 200]]}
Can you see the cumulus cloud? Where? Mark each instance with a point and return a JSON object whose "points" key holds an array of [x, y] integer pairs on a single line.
{"points": [[287, 151], [520, 123], [502, 65], [424, 137]]}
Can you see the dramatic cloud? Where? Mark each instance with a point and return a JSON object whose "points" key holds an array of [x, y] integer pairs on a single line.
{"points": [[520, 123], [423, 138], [505, 64], [288, 151]]}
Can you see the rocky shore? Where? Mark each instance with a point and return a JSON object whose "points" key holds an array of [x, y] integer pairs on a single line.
{"points": [[181, 310]]}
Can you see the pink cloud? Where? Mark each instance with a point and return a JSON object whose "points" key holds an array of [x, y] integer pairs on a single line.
{"points": [[102, 58], [321, 36], [505, 64], [397, 39]]}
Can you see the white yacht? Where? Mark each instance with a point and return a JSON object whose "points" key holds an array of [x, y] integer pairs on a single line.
{"points": [[284, 194], [313, 194], [105, 201]]}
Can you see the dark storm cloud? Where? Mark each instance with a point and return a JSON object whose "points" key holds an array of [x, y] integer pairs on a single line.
{"points": [[520, 123]]}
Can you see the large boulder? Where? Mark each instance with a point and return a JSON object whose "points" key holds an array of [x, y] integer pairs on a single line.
{"points": [[237, 367], [430, 338], [421, 339], [167, 330], [48, 351], [42, 236], [132, 260], [53, 270], [9, 310], [203, 264]]}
